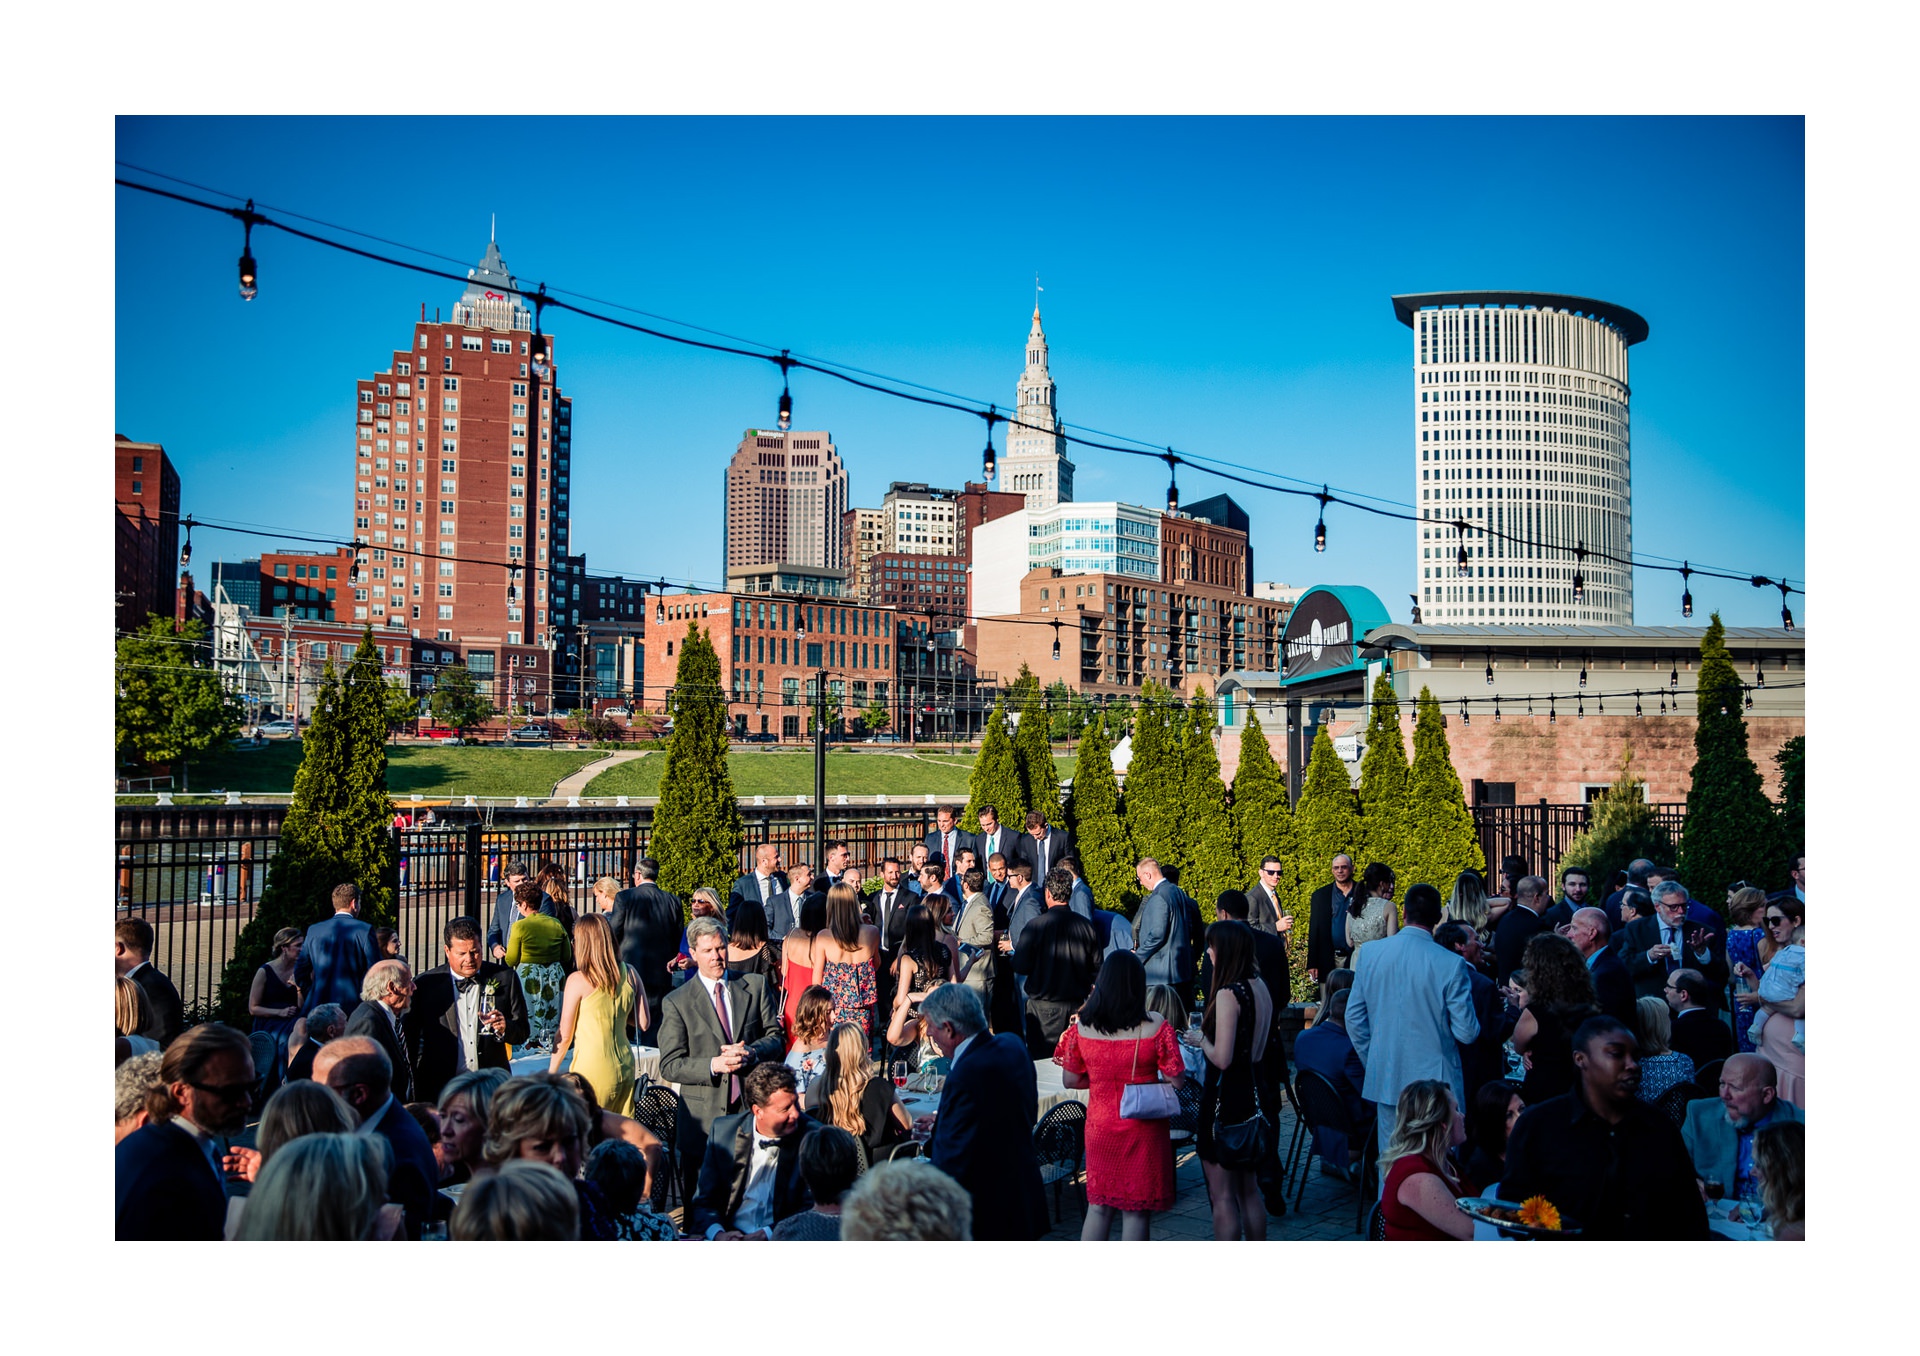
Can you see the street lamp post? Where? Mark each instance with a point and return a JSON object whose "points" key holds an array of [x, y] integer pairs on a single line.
{"points": [[819, 748]]}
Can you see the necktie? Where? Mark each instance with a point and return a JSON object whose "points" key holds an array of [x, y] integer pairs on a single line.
{"points": [[1673, 947], [771, 1146], [947, 850], [726, 1030]]}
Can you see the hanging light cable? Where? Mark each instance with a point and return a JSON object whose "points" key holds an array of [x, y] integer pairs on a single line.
{"points": [[987, 461], [1489, 668], [1686, 590], [1465, 718], [1173, 487]]}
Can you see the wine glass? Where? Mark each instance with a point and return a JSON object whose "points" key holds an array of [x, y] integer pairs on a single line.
{"points": [[1715, 1188], [898, 1071]]}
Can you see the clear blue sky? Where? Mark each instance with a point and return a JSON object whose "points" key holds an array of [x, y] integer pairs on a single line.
{"points": [[1220, 285]]}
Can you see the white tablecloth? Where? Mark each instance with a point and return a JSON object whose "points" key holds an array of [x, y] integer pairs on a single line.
{"points": [[646, 1063], [1046, 1074]]}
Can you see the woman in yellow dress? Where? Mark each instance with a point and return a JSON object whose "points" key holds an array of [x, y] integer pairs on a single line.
{"points": [[601, 1005]]}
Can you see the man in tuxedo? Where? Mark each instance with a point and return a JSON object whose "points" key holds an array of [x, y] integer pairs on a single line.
{"points": [[327, 1022], [358, 1069], [983, 1137], [1482, 1059], [751, 1178], [1698, 1032], [1058, 956], [1656, 947], [947, 837], [1719, 1130], [1327, 914], [1041, 847], [1410, 1012], [838, 856], [132, 945], [1264, 913], [337, 954], [646, 924], [1519, 924], [385, 996], [993, 837], [1574, 885], [713, 1030], [445, 1032], [1612, 985], [505, 914], [1160, 930], [762, 883], [169, 1176]]}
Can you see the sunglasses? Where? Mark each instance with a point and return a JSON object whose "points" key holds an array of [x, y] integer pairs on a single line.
{"points": [[1269, 871], [1774, 920]]}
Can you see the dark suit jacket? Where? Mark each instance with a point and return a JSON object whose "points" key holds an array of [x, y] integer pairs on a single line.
{"points": [[370, 1019], [164, 1188], [1700, 1035], [936, 843], [1324, 1048], [983, 1138], [1320, 953], [432, 1026], [647, 924], [1025, 908], [748, 887], [166, 1018], [1612, 986], [413, 1175], [506, 914], [1024, 849], [1270, 954], [1162, 936], [690, 1037], [782, 916], [338, 953], [1517, 927], [724, 1171], [1007, 834], [1263, 910], [1000, 894], [1650, 977], [1483, 1061]]}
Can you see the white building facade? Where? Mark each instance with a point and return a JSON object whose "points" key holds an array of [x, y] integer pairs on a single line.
{"points": [[1522, 455], [1095, 538], [1036, 462], [918, 519]]}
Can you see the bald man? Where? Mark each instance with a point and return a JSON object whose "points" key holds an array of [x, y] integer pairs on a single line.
{"points": [[1612, 985], [1719, 1131], [359, 1070]]}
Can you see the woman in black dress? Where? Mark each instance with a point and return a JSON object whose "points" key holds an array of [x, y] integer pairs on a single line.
{"points": [[1558, 997], [1233, 1034], [274, 1002]]}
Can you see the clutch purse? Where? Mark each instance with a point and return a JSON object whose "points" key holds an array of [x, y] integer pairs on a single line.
{"points": [[1147, 1101]]}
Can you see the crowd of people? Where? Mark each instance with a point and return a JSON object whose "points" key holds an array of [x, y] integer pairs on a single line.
{"points": [[1625, 1059]]}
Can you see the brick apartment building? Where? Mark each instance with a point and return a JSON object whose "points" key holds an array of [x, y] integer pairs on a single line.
{"points": [[146, 535]]}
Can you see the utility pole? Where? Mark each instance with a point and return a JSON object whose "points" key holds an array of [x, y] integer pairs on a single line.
{"points": [[819, 744], [286, 644]]}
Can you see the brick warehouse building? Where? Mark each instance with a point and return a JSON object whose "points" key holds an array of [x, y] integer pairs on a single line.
{"points": [[146, 533], [462, 451]]}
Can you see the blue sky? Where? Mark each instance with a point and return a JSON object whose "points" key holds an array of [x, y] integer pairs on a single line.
{"points": [[1220, 285]]}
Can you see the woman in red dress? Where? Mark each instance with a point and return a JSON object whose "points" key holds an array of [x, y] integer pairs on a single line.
{"points": [[1115, 1041], [1418, 1197]]}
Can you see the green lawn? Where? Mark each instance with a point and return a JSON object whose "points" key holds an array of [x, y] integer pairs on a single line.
{"points": [[429, 769], [791, 774]]}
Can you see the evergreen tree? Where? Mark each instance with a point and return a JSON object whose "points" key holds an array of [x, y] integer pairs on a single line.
{"points": [[1068, 713], [1440, 840], [457, 701], [402, 707], [1209, 847], [995, 779], [1094, 819], [1033, 756], [696, 826], [1792, 762], [1383, 782], [1261, 813], [1154, 780], [1731, 833], [337, 826], [1623, 828], [169, 706], [1326, 823]]}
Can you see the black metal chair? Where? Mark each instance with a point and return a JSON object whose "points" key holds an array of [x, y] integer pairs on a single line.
{"points": [[1707, 1078], [657, 1106], [1299, 1133], [1674, 1101], [1060, 1143], [1321, 1107], [1377, 1223], [1184, 1129]]}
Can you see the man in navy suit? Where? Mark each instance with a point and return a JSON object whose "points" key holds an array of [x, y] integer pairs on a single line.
{"points": [[762, 883], [1041, 847], [338, 953], [947, 837], [1612, 985], [358, 1069], [1481, 1060], [169, 1176], [993, 836], [132, 945], [983, 1138], [1082, 900], [1160, 930], [1325, 1049], [955, 886]]}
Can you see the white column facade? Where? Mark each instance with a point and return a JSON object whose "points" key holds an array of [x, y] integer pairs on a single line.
{"points": [[1521, 428]]}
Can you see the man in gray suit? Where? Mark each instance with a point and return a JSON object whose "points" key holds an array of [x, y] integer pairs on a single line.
{"points": [[1717, 1129], [1264, 913], [1160, 933], [1411, 1010], [1082, 900], [713, 1028]]}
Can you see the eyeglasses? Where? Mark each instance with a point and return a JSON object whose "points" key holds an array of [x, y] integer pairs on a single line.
{"points": [[1774, 920]]}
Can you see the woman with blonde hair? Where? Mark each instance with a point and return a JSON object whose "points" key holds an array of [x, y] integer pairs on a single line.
{"points": [[464, 1105], [273, 1001], [602, 1003], [604, 890], [523, 1202], [130, 1015], [1468, 903], [847, 1094], [844, 957], [322, 1188], [1780, 1160], [542, 1118], [1418, 1198], [1662, 1068]]}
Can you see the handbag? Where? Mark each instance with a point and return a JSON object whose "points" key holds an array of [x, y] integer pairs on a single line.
{"points": [[1154, 1101], [1244, 1146]]}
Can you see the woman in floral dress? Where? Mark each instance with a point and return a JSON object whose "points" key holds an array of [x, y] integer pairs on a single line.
{"points": [[539, 952], [1115, 1041]]}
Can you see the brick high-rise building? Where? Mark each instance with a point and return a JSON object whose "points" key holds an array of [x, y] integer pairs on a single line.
{"points": [[865, 532], [786, 496], [461, 472], [146, 535]]}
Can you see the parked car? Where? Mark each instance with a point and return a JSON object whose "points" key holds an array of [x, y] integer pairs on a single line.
{"points": [[763, 737], [279, 729], [619, 711], [530, 734], [883, 738]]}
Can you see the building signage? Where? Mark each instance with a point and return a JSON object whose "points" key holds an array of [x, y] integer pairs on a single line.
{"points": [[1319, 637]]}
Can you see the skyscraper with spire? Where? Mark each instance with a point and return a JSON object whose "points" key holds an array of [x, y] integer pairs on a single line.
{"points": [[1036, 462]]}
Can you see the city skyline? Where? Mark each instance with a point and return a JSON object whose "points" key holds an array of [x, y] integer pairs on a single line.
{"points": [[1145, 336]]}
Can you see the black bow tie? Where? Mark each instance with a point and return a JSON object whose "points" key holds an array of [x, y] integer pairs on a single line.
{"points": [[772, 1146], [462, 985]]}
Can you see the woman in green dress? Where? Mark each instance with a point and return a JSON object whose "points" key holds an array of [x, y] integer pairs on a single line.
{"points": [[538, 951], [599, 1010]]}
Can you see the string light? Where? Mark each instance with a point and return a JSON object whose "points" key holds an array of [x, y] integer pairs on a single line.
{"points": [[1489, 668], [1673, 679], [1786, 613], [1686, 590], [186, 544], [1465, 718], [249, 271], [1759, 674], [1601, 701], [1056, 640], [1496, 710], [1638, 714], [1580, 709], [986, 461], [1320, 528], [786, 396], [1749, 692], [1583, 670], [1173, 487], [1579, 582], [1416, 607], [1553, 716]]}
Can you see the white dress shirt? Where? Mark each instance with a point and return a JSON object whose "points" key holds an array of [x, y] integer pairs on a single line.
{"points": [[766, 887], [468, 1005], [1675, 940], [718, 988]]}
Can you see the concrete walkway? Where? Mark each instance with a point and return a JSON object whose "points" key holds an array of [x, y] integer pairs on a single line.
{"points": [[576, 785]]}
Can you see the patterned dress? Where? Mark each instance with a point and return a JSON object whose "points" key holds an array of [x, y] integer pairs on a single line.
{"points": [[537, 949], [1129, 1163], [1743, 945], [854, 992]]}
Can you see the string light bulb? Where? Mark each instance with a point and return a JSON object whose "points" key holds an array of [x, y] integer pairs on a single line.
{"points": [[249, 271], [1553, 716], [186, 544], [1056, 640], [1583, 670], [1786, 613], [1580, 708], [1465, 719], [1173, 487], [786, 393], [1673, 679], [1496, 710], [1579, 580], [1416, 607], [1489, 668], [1749, 692], [1638, 714], [1686, 589], [1320, 528], [987, 463]]}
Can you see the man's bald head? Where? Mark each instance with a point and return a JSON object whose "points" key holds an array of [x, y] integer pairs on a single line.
{"points": [[354, 1061], [1588, 930]]}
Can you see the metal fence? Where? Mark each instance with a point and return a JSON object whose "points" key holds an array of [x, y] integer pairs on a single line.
{"points": [[1541, 833]]}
